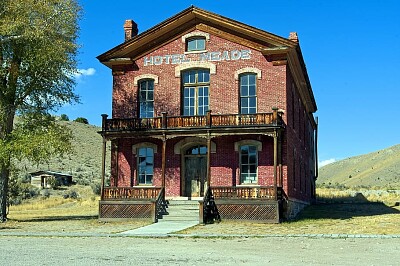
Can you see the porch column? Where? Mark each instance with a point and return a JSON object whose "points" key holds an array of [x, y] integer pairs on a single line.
{"points": [[163, 160], [103, 167], [280, 174], [275, 163], [208, 160]]}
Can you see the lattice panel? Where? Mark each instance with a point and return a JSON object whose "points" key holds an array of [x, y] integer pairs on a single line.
{"points": [[116, 211], [255, 212]]}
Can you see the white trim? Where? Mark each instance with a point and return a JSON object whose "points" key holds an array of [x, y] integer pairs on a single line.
{"points": [[195, 64], [145, 76], [196, 34], [252, 142], [190, 141], [248, 70], [137, 146]]}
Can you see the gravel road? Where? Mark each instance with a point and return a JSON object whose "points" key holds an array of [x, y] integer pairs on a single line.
{"points": [[198, 251]]}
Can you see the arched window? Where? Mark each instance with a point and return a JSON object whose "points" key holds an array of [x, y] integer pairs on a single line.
{"points": [[248, 93], [197, 150], [196, 83], [146, 98]]}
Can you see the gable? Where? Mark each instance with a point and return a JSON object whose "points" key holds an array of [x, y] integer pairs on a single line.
{"points": [[187, 21], [273, 47]]}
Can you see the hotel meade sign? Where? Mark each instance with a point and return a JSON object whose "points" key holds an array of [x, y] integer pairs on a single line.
{"points": [[175, 59]]}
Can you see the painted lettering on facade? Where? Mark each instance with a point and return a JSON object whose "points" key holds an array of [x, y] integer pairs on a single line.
{"points": [[175, 59]]}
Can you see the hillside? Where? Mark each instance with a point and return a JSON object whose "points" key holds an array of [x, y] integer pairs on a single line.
{"points": [[376, 169], [85, 162]]}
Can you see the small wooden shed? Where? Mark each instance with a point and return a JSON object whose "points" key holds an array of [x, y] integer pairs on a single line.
{"points": [[42, 179]]}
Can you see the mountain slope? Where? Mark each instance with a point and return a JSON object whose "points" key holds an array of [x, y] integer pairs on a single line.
{"points": [[376, 169], [84, 163]]}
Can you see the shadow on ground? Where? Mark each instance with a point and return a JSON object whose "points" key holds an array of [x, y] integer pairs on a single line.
{"points": [[346, 208], [58, 218]]}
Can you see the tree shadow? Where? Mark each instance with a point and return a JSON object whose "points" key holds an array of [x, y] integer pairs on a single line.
{"points": [[345, 208]]}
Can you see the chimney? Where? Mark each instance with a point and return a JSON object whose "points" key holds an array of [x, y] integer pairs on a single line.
{"points": [[130, 28], [293, 37]]}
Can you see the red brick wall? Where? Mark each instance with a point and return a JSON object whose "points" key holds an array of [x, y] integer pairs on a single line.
{"points": [[274, 89], [299, 137], [224, 163], [223, 86]]}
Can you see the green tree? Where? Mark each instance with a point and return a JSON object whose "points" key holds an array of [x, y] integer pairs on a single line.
{"points": [[82, 120], [64, 117], [37, 61]]}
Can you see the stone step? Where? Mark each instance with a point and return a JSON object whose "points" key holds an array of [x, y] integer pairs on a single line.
{"points": [[183, 202], [183, 207], [182, 210], [167, 218]]}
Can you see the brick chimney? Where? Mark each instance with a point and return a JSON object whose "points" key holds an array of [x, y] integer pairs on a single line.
{"points": [[293, 37], [131, 29]]}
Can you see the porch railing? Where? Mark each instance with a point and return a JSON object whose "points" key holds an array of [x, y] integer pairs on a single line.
{"points": [[131, 193], [208, 209], [160, 206], [180, 122], [246, 192]]}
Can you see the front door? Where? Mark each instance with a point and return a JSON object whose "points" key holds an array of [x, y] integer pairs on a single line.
{"points": [[195, 178]]}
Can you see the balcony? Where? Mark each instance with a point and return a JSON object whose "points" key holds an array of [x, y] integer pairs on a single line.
{"points": [[208, 121]]}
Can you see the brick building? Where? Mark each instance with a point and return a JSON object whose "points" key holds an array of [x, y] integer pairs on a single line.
{"points": [[207, 108]]}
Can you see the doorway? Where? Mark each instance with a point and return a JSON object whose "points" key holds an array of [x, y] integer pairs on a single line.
{"points": [[195, 171]]}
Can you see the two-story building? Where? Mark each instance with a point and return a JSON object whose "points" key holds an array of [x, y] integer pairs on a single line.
{"points": [[205, 107]]}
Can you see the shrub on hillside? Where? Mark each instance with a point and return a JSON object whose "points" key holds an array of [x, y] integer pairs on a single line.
{"points": [[72, 194], [64, 117], [20, 189], [81, 120], [82, 180], [96, 187], [46, 193], [53, 182]]}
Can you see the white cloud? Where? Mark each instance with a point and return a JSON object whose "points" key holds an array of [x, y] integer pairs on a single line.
{"points": [[325, 162], [84, 72]]}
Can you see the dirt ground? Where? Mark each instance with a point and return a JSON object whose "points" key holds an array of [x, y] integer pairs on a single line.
{"points": [[198, 251]]}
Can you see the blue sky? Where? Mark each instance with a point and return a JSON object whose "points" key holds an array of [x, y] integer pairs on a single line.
{"points": [[351, 49]]}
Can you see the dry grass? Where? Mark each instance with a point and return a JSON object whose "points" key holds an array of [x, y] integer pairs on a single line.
{"points": [[348, 212], [56, 214], [372, 214], [373, 218], [387, 196]]}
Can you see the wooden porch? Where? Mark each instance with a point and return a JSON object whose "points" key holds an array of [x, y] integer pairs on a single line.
{"points": [[255, 203], [132, 203], [249, 203]]}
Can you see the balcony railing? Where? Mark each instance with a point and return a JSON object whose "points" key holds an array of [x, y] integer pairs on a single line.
{"points": [[181, 122]]}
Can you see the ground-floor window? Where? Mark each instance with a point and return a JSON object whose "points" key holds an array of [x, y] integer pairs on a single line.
{"points": [[248, 164], [145, 165]]}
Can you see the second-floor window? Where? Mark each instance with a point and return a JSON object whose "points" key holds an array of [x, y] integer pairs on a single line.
{"points": [[248, 93], [146, 98], [196, 83]]}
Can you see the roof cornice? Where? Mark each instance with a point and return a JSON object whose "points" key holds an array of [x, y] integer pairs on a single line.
{"points": [[189, 18]]}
